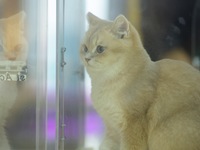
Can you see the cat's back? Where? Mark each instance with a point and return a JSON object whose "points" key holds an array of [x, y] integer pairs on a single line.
{"points": [[175, 113], [178, 82], [178, 89], [178, 72]]}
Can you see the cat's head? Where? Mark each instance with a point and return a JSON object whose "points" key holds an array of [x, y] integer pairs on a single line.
{"points": [[13, 44], [109, 44]]}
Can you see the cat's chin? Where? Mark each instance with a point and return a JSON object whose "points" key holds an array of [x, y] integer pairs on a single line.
{"points": [[88, 65], [91, 65]]}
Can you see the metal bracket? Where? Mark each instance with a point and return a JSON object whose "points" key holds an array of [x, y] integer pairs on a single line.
{"points": [[63, 63]]}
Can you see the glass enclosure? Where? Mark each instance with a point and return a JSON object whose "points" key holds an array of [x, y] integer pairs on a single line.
{"points": [[44, 90]]}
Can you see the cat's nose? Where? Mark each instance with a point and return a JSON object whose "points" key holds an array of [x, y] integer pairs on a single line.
{"points": [[87, 59]]}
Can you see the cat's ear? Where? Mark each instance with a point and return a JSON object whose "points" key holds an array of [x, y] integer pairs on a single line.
{"points": [[92, 19], [121, 26]]}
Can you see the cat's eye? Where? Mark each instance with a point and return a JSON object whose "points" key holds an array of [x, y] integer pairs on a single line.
{"points": [[100, 49], [85, 49]]}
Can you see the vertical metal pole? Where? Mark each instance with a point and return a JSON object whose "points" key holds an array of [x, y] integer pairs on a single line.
{"points": [[62, 102], [41, 74], [60, 76]]}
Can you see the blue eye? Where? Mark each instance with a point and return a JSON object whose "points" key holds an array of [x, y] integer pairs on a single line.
{"points": [[100, 49]]}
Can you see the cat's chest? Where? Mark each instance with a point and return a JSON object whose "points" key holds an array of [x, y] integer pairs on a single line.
{"points": [[107, 104]]}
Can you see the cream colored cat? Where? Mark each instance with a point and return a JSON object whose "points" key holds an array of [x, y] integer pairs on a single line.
{"points": [[13, 46], [145, 105]]}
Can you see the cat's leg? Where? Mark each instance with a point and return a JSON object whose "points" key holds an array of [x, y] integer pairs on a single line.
{"points": [[134, 136], [110, 141], [180, 132], [133, 144]]}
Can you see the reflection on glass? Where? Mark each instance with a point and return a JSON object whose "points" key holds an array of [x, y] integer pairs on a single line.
{"points": [[13, 56]]}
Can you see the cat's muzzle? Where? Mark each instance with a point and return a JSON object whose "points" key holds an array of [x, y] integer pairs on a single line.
{"points": [[13, 71]]}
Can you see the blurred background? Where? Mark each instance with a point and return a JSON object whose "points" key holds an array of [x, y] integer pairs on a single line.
{"points": [[53, 109]]}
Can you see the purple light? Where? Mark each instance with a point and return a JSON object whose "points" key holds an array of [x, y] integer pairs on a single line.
{"points": [[94, 123], [51, 127]]}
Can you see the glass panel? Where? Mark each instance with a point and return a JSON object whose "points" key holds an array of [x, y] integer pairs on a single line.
{"points": [[23, 75], [17, 107]]}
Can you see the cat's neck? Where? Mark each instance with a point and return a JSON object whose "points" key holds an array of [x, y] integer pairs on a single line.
{"points": [[124, 71], [143, 80]]}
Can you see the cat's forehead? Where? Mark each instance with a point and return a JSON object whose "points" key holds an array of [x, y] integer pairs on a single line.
{"points": [[96, 33], [92, 37]]}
